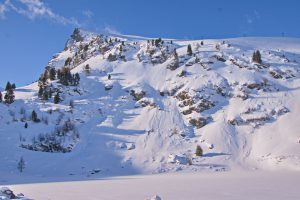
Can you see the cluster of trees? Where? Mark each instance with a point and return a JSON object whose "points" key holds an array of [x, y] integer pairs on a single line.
{"points": [[55, 141], [68, 61], [33, 117], [45, 91], [256, 57], [10, 86], [67, 78], [76, 36], [157, 42], [9, 96], [64, 75]]}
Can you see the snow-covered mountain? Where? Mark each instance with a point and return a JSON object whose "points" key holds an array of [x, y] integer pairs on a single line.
{"points": [[135, 105]]}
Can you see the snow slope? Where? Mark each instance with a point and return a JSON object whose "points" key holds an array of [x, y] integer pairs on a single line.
{"points": [[150, 119]]}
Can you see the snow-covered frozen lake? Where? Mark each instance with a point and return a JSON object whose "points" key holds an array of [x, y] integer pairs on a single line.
{"points": [[276, 185]]}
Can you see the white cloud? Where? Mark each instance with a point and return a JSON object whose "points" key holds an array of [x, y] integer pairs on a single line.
{"points": [[3, 9], [33, 9], [257, 15], [111, 30], [251, 18], [88, 13]]}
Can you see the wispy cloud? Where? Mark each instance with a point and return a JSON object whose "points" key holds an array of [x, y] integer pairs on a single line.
{"points": [[111, 30], [251, 18], [87, 13], [33, 9], [37, 9], [4, 9]]}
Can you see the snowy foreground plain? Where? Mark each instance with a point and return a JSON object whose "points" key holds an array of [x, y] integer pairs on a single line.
{"points": [[250, 185]]}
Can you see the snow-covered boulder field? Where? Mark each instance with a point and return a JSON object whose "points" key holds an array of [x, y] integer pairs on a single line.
{"points": [[120, 105]]}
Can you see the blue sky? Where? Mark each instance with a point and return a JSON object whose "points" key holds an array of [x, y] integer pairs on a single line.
{"points": [[31, 31]]}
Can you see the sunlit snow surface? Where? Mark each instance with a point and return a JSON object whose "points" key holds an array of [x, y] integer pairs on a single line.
{"points": [[121, 137]]}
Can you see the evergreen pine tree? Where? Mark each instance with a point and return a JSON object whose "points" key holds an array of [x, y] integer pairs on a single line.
{"points": [[76, 35], [175, 54], [86, 47], [56, 98], [68, 61], [50, 93], [45, 95], [13, 86], [26, 125], [71, 104], [109, 77], [21, 165], [199, 151], [175, 63], [1, 98], [87, 69], [8, 86], [256, 57], [77, 79], [189, 50], [43, 80], [40, 92], [52, 74], [34, 117], [59, 74], [9, 96]]}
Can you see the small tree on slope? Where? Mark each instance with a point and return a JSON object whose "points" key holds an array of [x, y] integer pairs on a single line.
{"points": [[56, 98], [199, 151], [257, 57], [21, 165], [52, 74], [34, 117], [189, 50]]}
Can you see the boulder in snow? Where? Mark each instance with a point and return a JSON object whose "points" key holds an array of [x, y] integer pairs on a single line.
{"points": [[130, 146], [179, 159], [6, 193], [108, 87], [156, 197]]}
